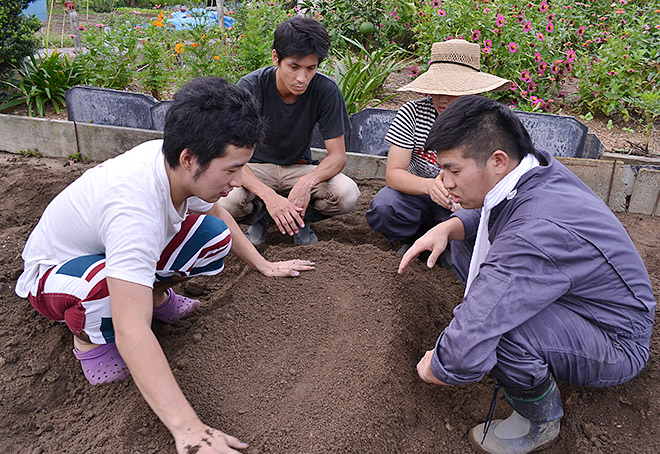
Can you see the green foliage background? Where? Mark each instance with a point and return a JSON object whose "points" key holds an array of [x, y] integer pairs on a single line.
{"points": [[17, 39]]}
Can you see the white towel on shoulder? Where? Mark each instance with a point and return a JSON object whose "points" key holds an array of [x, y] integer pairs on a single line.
{"points": [[504, 189]]}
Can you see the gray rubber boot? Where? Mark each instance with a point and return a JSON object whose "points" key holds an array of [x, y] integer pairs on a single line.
{"points": [[256, 233], [533, 426], [305, 235]]}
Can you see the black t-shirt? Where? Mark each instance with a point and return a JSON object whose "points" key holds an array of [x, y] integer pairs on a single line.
{"points": [[290, 126]]}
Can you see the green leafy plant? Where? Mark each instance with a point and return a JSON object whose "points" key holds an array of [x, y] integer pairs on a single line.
{"points": [[77, 157], [622, 59], [41, 81], [111, 55], [361, 77], [29, 153], [17, 39], [649, 104]]}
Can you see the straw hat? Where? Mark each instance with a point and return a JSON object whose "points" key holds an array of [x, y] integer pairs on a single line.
{"points": [[455, 71]]}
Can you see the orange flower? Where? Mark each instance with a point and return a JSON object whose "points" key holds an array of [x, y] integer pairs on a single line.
{"points": [[179, 48], [195, 45], [215, 57]]}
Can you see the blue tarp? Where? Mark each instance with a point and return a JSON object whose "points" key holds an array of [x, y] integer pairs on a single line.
{"points": [[38, 8], [197, 17]]}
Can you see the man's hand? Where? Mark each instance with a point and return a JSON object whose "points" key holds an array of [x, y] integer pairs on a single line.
{"points": [[424, 369], [301, 193], [435, 240], [202, 439], [438, 193], [289, 268], [286, 215]]}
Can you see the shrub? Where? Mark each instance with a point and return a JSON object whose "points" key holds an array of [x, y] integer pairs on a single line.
{"points": [[361, 77], [43, 80], [620, 73], [112, 51], [16, 34]]}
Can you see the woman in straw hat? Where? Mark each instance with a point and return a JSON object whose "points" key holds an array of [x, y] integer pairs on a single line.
{"points": [[415, 199]]}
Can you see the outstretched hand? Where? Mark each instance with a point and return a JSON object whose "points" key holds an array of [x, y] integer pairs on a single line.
{"points": [[202, 439], [289, 268], [435, 240]]}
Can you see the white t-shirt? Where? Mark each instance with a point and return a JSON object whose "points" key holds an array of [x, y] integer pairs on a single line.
{"points": [[121, 208]]}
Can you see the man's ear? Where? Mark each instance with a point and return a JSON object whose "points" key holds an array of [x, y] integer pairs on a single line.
{"points": [[186, 159], [500, 162], [276, 60]]}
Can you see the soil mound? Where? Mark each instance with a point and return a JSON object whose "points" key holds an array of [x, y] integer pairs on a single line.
{"points": [[323, 363]]}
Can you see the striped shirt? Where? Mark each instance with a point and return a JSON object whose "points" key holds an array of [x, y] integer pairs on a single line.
{"points": [[410, 129]]}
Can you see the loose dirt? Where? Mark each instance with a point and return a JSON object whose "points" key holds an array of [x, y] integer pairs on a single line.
{"points": [[323, 363]]}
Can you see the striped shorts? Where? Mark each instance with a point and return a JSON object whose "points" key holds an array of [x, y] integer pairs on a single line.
{"points": [[76, 291]]}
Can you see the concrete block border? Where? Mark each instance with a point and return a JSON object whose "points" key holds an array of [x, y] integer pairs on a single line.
{"points": [[624, 183]]}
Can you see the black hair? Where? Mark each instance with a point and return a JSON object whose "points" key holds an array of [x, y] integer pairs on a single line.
{"points": [[479, 126], [205, 116], [299, 37]]}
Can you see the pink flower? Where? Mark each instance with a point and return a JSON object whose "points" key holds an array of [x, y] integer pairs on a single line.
{"points": [[500, 20], [486, 50], [100, 25], [537, 57], [570, 56], [513, 47], [437, 3], [513, 87], [525, 77], [488, 43], [580, 31], [540, 36], [543, 7], [555, 68], [442, 13], [414, 71], [527, 27], [476, 34], [534, 100], [531, 87], [550, 27], [82, 28], [542, 67]]}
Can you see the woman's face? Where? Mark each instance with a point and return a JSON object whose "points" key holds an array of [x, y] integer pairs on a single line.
{"points": [[441, 102]]}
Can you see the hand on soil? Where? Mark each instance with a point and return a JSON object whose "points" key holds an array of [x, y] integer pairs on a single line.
{"points": [[290, 268], [206, 440], [424, 369]]}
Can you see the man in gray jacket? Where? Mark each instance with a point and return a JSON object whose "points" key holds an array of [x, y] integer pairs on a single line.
{"points": [[551, 291]]}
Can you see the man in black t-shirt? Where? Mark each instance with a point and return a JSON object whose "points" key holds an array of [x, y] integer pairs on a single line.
{"points": [[282, 182]]}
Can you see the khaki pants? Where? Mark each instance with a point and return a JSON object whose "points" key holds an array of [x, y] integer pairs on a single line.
{"points": [[338, 195]]}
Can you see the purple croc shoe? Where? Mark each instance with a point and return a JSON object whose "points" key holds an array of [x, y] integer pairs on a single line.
{"points": [[175, 307], [102, 364]]}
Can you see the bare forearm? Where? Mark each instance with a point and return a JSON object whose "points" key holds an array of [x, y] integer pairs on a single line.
{"points": [[453, 228], [241, 246], [153, 377], [330, 166], [404, 181]]}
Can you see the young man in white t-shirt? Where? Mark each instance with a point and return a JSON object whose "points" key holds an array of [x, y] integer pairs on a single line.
{"points": [[107, 248]]}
